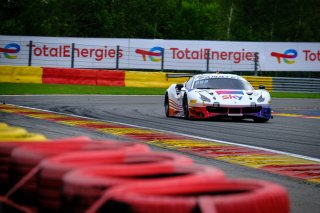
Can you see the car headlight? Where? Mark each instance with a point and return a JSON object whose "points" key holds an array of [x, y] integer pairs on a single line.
{"points": [[204, 98]]}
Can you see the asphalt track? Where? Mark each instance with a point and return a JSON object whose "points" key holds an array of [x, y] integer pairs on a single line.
{"points": [[286, 132]]}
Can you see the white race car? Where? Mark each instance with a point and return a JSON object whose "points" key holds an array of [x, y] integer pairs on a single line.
{"points": [[217, 95]]}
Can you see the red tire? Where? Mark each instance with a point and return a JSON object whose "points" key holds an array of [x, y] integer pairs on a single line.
{"points": [[26, 158], [84, 186], [6, 149], [53, 169], [196, 195]]}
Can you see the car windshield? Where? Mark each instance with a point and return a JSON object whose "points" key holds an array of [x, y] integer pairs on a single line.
{"points": [[222, 83]]}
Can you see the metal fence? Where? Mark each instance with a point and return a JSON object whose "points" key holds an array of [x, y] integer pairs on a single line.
{"points": [[296, 84]]}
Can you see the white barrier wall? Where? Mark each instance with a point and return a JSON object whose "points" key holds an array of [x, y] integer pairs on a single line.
{"points": [[147, 54]]}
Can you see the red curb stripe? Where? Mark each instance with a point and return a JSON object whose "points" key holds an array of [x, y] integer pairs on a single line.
{"points": [[100, 126], [63, 119], [156, 136], [218, 151], [303, 171], [32, 113]]}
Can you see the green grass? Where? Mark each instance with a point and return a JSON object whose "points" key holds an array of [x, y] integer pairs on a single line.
{"points": [[22, 89], [294, 95]]}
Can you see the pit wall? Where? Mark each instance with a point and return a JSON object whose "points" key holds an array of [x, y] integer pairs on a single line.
{"points": [[47, 75]]}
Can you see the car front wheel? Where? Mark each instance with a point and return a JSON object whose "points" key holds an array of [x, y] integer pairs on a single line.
{"points": [[166, 104], [185, 107]]}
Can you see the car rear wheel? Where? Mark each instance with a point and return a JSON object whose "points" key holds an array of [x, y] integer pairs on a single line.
{"points": [[185, 107], [166, 104]]}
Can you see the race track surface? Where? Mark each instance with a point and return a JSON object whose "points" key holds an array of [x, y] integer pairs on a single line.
{"points": [[294, 130], [283, 133]]}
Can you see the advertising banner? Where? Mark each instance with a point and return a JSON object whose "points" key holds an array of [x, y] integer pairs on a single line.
{"points": [[159, 54]]}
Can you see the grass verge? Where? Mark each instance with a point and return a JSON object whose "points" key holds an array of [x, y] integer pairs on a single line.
{"points": [[23, 89], [34, 89]]}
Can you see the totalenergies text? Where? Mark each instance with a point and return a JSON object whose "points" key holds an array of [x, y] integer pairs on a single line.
{"points": [[204, 53], [66, 50]]}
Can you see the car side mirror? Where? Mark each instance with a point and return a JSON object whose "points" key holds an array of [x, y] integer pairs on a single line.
{"points": [[179, 86], [261, 86]]}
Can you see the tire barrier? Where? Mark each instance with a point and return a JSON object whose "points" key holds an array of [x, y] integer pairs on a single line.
{"points": [[53, 169], [9, 133], [6, 148], [200, 194], [24, 163], [78, 174], [84, 186], [9, 137], [24, 137], [12, 132], [3, 125]]}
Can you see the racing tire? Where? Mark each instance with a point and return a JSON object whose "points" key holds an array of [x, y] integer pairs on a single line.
{"points": [[83, 186], [185, 107], [196, 194], [52, 170], [166, 105], [25, 159]]}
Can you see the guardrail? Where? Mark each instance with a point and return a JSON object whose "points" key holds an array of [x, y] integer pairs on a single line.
{"points": [[46, 75], [296, 84]]}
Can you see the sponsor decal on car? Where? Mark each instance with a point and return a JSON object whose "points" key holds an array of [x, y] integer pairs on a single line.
{"points": [[237, 97], [229, 92]]}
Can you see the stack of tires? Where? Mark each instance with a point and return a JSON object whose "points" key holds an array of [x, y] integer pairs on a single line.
{"points": [[52, 171], [24, 163], [84, 175], [85, 187], [10, 138], [11, 133], [195, 195]]}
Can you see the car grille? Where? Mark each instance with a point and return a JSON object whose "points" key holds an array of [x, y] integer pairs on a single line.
{"points": [[217, 109], [234, 110], [225, 110], [247, 110]]}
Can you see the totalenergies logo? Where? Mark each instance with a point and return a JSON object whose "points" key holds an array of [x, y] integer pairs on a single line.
{"points": [[287, 56], [10, 50], [154, 54]]}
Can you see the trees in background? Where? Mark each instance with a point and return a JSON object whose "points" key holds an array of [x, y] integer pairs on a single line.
{"points": [[240, 20]]}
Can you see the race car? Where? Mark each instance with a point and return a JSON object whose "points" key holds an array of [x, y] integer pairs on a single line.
{"points": [[206, 96]]}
